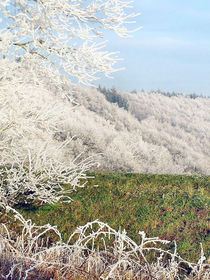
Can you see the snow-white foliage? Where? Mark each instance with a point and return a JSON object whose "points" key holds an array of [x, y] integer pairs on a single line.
{"points": [[31, 254], [39, 40], [64, 34], [34, 114], [158, 134]]}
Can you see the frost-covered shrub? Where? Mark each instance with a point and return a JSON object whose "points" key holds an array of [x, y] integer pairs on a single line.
{"points": [[39, 40], [93, 251]]}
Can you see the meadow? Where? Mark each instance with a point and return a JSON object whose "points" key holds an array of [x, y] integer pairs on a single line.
{"points": [[172, 207]]}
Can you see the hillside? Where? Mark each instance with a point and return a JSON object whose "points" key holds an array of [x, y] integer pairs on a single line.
{"points": [[143, 133], [155, 134]]}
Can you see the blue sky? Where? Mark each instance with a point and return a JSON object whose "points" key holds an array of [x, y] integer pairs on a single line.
{"points": [[171, 52]]}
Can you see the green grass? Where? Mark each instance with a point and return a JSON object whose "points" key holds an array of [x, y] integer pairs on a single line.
{"points": [[172, 207]]}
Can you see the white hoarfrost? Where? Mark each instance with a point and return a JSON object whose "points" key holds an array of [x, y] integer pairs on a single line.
{"points": [[156, 134], [119, 256], [34, 159], [64, 34], [39, 40]]}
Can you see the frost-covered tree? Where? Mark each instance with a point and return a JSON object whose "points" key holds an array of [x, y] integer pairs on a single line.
{"points": [[42, 45], [63, 34]]}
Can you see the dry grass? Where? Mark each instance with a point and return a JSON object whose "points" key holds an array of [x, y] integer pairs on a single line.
{"points": [[32, 255]]}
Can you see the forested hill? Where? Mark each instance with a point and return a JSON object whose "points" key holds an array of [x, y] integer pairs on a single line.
{"points": [[143, 132], [132, 132]]}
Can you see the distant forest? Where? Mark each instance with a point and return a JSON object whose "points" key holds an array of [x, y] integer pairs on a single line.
{"points": [[112, 94]]}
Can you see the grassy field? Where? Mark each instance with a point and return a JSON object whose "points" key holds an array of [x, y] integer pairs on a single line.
{"points": [[172, 207]]}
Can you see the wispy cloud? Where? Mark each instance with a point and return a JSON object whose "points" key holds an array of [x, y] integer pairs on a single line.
{"points": [[151, 42], [198, 14], [163, 42]]}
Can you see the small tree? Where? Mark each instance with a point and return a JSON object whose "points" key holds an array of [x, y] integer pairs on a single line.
{"points": [[39, 41]]}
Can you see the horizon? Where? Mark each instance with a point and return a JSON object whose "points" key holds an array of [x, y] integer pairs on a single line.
{"points": [[157, 91]]}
